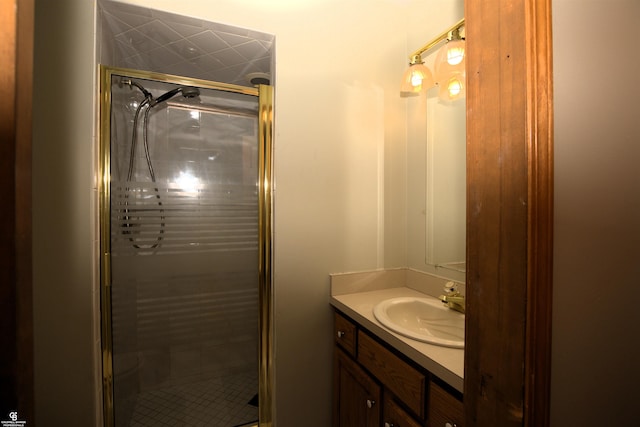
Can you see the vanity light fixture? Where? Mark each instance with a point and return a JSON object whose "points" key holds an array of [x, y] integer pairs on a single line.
{"points": [[416, 78], [449, 66]]}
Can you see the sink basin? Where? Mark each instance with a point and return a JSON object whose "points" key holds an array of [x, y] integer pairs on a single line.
{"points": [[423, 319]]}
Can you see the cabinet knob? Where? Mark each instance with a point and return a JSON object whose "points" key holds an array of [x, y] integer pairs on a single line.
{"points": [[450, 425], [388, 425], [340, 334], [370, 403]]}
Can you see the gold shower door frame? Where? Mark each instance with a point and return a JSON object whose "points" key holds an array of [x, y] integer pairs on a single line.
{"points": [[264, 93]]}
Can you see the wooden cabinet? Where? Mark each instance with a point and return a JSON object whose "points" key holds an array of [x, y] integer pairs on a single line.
{"points": [[357, 396], [401, 379], [444, 409], [394, 416], [376, 387], [345, 334]]}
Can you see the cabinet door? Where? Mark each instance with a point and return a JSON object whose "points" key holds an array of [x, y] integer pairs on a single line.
{"points": [[445, 410], [356, 395], [394, 416]]}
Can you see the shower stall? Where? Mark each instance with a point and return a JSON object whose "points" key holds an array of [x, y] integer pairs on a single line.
{"points": [[185, 244]]}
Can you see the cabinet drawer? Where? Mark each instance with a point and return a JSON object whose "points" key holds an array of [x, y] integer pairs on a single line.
{"points": [[395, 416], [407, 383], [344, 332], [445, 410]]}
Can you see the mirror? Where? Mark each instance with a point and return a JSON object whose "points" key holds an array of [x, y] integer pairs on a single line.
{"points": [[436, 172], [446, 183]]}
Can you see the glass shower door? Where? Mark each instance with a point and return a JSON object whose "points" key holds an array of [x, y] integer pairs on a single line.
{"points": [[184, 254]]}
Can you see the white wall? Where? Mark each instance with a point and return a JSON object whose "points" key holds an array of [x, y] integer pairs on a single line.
{"points": [[339, 195], [595, 370], [65, 338]]}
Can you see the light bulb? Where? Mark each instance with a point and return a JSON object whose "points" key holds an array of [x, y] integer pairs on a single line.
{"points": [[453, 87], [455, 52], [416, 78], [450, 59]]}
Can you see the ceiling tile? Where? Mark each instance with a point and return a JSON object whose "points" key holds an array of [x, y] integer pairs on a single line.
{"points": [[263, 64], [251, 50], [208, 62], [116, 25], [137, 41], [160, 32], [185, 49], [263, 37], [223, 28], [125, 14], [124, 49], [171, 19], [208, 42], [165, 56], [230, 75], [230, 57], [233, 39], [185, 30], [153, 40]]}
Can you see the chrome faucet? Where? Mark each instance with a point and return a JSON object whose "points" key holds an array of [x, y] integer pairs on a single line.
{"points": [[452, 298]]}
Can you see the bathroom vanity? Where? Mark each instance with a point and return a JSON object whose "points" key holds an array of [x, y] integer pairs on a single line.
{"points": [[382, 378], [374, 385]]}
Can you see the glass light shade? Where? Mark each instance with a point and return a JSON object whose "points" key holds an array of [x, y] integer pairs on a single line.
{"points": [[455, 52], [453, 88], [450, 59], [415, 79]]}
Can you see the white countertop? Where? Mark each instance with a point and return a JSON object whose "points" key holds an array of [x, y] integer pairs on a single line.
{"points": [[445, 363]]}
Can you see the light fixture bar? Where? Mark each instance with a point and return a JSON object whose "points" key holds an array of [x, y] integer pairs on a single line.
{"points": [[442, 36]]}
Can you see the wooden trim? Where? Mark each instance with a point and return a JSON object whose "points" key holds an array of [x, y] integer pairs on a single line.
{"points": [[540, 227], [510, 212], [16, 316]]}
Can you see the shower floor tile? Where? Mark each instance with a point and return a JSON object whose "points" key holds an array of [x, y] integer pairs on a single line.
{"points": [[218, 402]]}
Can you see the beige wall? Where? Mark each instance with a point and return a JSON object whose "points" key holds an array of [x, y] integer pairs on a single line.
{"points": [[339, 167], [595, 371]]}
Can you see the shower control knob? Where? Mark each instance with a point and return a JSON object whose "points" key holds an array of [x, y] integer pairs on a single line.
{"points": [[370, 403], [340, 334]]}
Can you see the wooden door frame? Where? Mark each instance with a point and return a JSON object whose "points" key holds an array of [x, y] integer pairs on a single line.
{"points": [[16, 317], [510, 212]]}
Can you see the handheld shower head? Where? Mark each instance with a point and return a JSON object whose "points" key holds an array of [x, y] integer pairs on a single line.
{"points": [[187, 92], [165, 96], [190, 92]]}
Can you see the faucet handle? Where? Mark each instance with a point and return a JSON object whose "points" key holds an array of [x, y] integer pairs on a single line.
{"points": [[450, 288]]}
